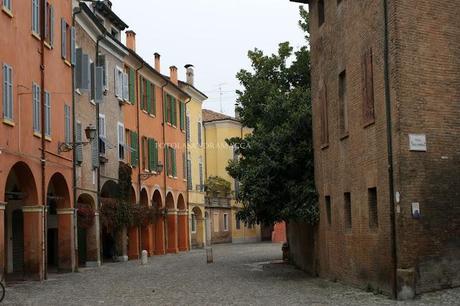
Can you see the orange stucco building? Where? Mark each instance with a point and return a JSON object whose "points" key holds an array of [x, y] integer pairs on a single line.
{"points": [[36, 56], [155, 126]]}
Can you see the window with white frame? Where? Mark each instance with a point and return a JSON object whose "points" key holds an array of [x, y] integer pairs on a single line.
{"points": [[215, 222], [36, 108], [225, 222], [121, 84], [121, 141], [7, 92], [47, 114], [36, 16], [7, 5], [193, 223]]}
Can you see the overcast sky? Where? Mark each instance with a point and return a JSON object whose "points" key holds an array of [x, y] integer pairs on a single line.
{"points": [[213, 35]]}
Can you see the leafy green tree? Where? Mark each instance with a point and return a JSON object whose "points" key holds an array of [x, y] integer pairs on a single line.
{"points": [[276, 168]]}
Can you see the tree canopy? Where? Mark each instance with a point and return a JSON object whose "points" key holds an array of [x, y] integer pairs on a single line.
{"points": [[276, 169]]}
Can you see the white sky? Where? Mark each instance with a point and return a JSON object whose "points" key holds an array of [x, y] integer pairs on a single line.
{"points": [[213, 35]]}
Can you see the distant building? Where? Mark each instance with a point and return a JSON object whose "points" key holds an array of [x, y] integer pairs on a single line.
{"points": [[222, 223], [386, 129]]}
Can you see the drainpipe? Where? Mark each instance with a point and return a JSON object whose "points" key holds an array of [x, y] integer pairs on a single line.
{"points": [[98, 185], [164, 167], [390, 149], [74, 153], [186, 172], [43, 142], [138, 150]]}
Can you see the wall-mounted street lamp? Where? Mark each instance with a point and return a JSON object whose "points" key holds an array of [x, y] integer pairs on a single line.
{"points": [[159, 169], [90, 133]]}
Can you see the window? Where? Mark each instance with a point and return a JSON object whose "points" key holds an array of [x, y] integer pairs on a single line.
{"points": [[324, 116], [121, 141], [36, 17], [170, 110], [200, 167], [199, 133], [132, 85], [48, 114], [102, 62], [102, 134], [184, 166], [238, 222], [68, 51], [134, 148], [49, 24], [7, 92], [321, 17], [328, 209], [79, 148], [182, 115], [82, 70], [7, 5], [171, 165], [189, 175], [187, 127], [67, 124], [347, 209], [153, 154], [193, 223], [148, 96], [120, 89], [373, 209], [343, 104], [92, 80], [226, 222], [368, 88], [36, 108]]}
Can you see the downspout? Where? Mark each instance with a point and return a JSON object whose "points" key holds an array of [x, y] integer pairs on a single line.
{"points": [[390, 149], [164, 162], [43, 142], [186, 173], [74, 153], [98, 185], [138, 109]]}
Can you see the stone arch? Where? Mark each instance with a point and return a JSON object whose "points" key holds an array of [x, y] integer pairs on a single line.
{"points": [[181, 205], [157, 200], [133, 196], [159, 225], [182, 224], [109, 189], [21, 191], [197, 227], [144, 198], [110, 242], [169, 202], [87, 230]]}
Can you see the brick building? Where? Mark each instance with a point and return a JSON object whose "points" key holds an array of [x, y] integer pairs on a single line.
{"points": [[36, 211], [386, 125]]}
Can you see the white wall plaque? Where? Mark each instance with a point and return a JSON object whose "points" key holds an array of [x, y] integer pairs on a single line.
{"points": [[417, 142]]}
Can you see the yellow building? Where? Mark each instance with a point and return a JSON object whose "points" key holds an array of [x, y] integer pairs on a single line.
{"points": [[195, 160], [222, 224]]}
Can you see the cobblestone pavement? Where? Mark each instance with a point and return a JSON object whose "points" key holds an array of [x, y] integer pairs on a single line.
{"points": [[249, 274]]}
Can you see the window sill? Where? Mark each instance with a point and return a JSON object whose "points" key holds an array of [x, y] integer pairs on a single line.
{"points": [[8, 122], [324, 146], [78, 92], [36, 35], [344, 136], [152, 115], [67, 63], [48, 45], [8, 12], [48, 138], [37, 134]]}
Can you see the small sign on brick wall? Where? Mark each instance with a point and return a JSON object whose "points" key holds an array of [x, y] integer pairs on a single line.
{"points": [[417, 142]]}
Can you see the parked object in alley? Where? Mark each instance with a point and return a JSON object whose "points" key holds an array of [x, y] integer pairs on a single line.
{"points": [[209, 255], [144, 257]]}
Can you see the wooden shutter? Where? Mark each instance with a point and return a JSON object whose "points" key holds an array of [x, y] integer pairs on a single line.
{"points": [[324, 116], [182, 112], [187, 127], [78, 67], [199, 133], [174, 111], [189, 175], [85, 73], [95, 152], [184, 166], [78, 148], [368, 87], [132, 86], [154, 99], [167, 160], [125, 87], [51, 25], [148, 96], [134, 149], [63, 38], [72, 46], [174, 162], [99, 85], [48, 114]]}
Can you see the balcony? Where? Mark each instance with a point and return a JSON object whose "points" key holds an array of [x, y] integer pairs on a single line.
{"points": [[218, 202]]}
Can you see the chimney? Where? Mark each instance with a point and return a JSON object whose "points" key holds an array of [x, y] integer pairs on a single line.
{"points": [[158, 62], [131, 40], [108, 3], [190, 75], [173, 74]]}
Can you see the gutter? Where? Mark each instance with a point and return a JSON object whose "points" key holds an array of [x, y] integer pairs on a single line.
{"points": [[165, 157], [391, 184], [186, 173], [139, 182], [74, 155]]}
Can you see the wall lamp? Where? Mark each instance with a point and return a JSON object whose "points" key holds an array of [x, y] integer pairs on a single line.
{"points": [[90, 133]]}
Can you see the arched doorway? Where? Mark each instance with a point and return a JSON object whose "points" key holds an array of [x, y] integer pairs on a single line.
{"points": [[147, 228], [134, 232], [196, 228], [22, 224], [88, 234], [182, 224], [159, 224], [59, 225], [110, 248], [171, 241]]}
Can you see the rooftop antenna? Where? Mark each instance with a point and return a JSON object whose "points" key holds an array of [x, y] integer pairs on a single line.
{"points": [[221, 94]]}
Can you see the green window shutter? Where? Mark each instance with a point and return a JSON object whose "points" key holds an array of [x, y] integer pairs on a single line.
{"points": [[150, 145], [132, 86], [165, 103], [134, 149], [149, 102], [173, 110], [174, 165], [167, 160], [155, 153], [182, 112], [154, 99]]}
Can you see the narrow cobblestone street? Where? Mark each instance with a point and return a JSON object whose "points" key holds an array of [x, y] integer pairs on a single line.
{"points": [[249, 274]]}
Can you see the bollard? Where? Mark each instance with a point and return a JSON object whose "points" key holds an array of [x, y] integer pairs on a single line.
{"points": [[144, 258], [209, 257]]}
